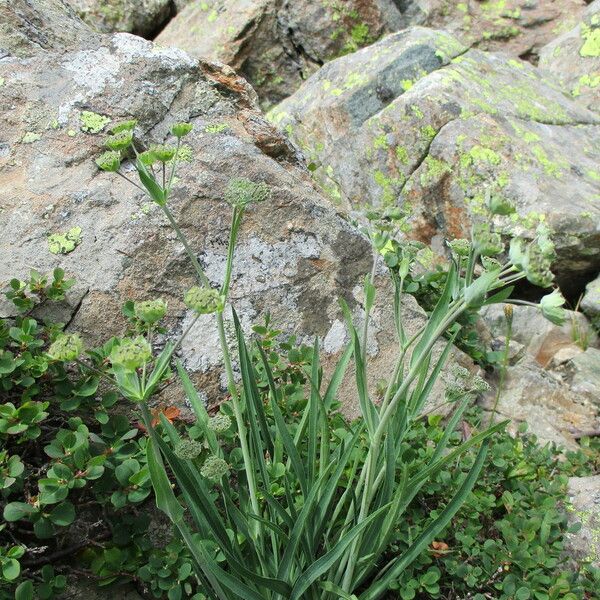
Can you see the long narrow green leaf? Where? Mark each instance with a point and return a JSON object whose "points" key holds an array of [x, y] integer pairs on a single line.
{"points": [[313, 415], [154, 190], [436, 318], [195, 489], [198, 407], [160, 368], [379, 587], [300, 527], [165, 498], [337, 377], [368, 410], [324, 507], [434, 467], [433, 376], [321, 565]]}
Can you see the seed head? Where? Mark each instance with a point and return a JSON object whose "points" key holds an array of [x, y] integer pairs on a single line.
{"points": [[147, 158], [188, 449], [219, 423], [180, 130], [150, 311], [461, 247], [109, 161], [124, 126], [120, 141], [204, 300], [163, 153], [214, 468], [486, 241], [131, 353], [500, 206], [241, 192], [66, 347]]}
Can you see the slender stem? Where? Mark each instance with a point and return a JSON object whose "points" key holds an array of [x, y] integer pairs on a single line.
{"points": [[504, 366], [173, 165], [365, 331], [139, 187], [373, 454], [239, 417], [201, 276], [235, 226], [94, 370]]}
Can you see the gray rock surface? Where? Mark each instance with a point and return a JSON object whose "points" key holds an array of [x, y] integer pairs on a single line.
{"points": [[417, 119], [142, 17], [590, 304], [276, 44], [585, 374], [516, 27], [296, 256], [552, 383], [541, 338], [574, 58], [584, 493]]}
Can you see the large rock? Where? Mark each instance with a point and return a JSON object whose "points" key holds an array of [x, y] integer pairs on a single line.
{"points": [[541, 399], [517, 27], [296, 256], [418, 119], [590, 304], [574, 57], [584, 494], [276, 44], [550, 382], [142, 17], [541, 339]]}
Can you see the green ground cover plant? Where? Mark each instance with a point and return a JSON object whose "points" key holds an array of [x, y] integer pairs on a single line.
{"points": [[276, 495]]}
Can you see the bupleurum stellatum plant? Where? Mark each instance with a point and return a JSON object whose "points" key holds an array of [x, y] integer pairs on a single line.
{"points": [[287, 506]]}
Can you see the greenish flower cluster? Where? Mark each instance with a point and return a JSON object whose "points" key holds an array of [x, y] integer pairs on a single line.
{"points": [[66, 347], [242, 192], [150, 311], [219, 423], [486, 241], [131, 353], [188, 449], [535, 259], [204, 300], [180, 130], [214, 468], [461, 247], [109, 161]]}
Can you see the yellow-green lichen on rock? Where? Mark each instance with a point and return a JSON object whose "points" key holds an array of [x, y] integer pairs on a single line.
{"points": [[91, 122]]}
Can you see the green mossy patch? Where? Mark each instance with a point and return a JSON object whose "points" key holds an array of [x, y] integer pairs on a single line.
{"points": [[92, 122]]}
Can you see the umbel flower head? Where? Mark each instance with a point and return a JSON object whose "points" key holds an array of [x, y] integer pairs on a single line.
{"points": [[163, 152], [181, 129], [214, 468], [123, 126], [188, 449], [219, 423], [147, 158], [552, 307], [204, 300], [109, 161], [150, 311], [66, 347], [461, 247], [131, 353], [241, 192], [486, 241], [120, 141]]}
